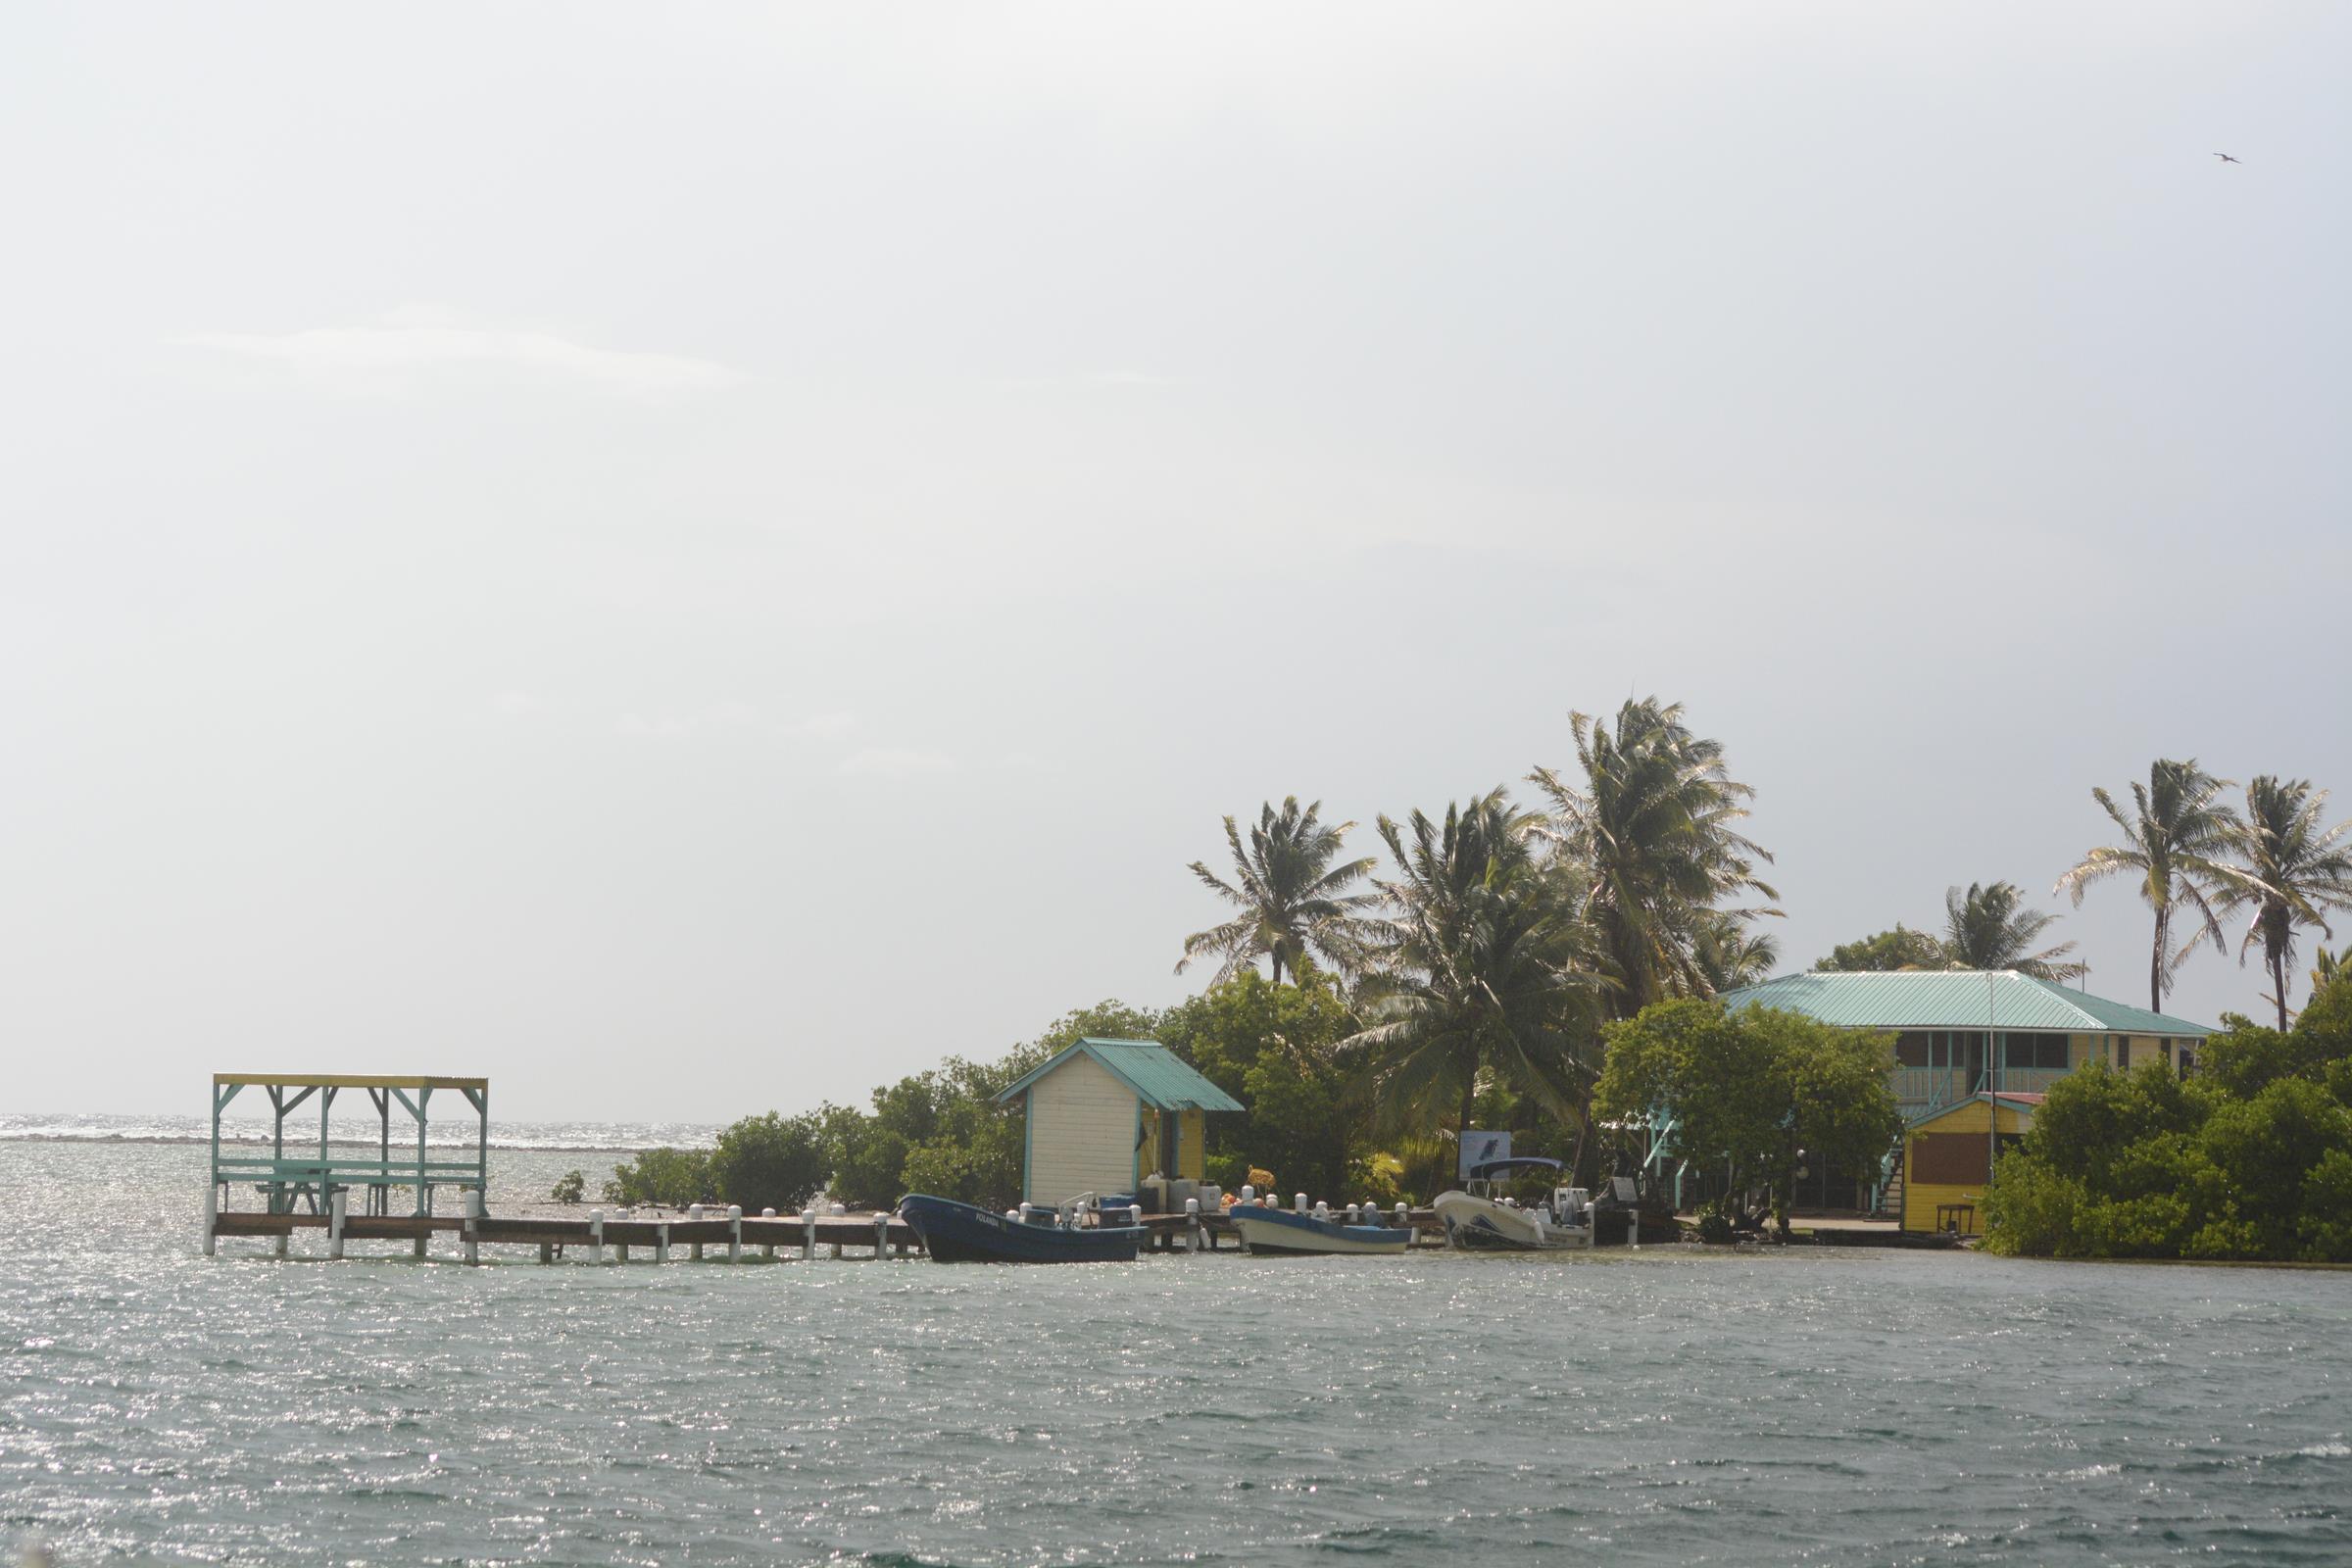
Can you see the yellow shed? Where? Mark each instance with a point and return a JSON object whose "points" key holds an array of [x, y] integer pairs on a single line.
{"points": [[1948, 1160]]}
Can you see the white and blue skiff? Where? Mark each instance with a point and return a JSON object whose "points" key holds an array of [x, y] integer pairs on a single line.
{"points": [[1285, 1234]]}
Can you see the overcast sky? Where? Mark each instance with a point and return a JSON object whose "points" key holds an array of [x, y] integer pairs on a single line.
{"points": [[697, 560]]}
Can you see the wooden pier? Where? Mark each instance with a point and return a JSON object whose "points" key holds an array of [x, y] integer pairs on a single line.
{"points": [[695, 1234]]}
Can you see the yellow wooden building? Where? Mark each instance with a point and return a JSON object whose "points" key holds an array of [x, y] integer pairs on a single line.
{"points": [[1104, 1114], [1947, 1157]]}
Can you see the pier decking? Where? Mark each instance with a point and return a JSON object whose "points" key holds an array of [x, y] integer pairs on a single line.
{"points": [[701, 1235]]}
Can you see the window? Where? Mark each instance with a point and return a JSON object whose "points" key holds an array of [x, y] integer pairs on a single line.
{"points": [[2033, 1052]]}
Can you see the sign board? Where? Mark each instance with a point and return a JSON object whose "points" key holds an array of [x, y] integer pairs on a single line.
{"points": [[1476, 1149]]}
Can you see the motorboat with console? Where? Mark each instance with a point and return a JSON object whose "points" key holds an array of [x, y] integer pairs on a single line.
{"points": [[1480, 1216]]}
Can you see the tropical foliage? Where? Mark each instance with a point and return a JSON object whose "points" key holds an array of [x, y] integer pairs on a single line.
{"points": [[2176, 838], [1990, 928], [1900, 949], [1649, 821], [1291, 889], [2297, 869], [1475, 969], [1756, 1095], [2251, 1158]]}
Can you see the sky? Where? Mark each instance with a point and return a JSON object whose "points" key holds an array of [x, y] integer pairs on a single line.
{"points": [[700, 561]]}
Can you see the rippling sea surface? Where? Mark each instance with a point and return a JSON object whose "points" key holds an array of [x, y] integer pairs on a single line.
{"points": [[1671, 1406]]}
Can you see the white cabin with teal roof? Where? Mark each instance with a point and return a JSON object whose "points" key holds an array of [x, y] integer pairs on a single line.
{"points": [[1104, 1114]]}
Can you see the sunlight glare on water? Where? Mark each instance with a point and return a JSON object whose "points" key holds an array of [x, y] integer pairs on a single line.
{"points": [[1672, 1407]]}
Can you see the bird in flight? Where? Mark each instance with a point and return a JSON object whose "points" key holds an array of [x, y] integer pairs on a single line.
{"points": [[2227, 159]]}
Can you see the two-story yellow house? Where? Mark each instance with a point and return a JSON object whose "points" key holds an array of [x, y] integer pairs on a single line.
{"points": [[1969, 1044]]}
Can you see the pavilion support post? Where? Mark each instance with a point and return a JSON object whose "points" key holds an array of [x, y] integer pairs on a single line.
{"points": [[336, 1205], [423, 1238], [473, 1211], [280, 1250]]}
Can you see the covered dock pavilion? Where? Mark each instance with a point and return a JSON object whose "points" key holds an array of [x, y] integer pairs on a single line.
{"points": [[312, 1174]]}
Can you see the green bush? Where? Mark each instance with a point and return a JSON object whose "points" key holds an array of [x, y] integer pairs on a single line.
{"points": [[769, 1161], [670, 1177], [2252, 1159], [569, 1187]]}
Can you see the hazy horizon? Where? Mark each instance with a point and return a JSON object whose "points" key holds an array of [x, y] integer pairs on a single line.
{"points": [[703, 562]]}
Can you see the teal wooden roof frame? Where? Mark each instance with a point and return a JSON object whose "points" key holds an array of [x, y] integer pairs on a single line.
{"points": [[1160, 1077], [304, 1177]]}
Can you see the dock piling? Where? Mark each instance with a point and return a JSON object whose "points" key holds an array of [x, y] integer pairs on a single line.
{"points": [[734, 1233], [473, 1213], [212, 1216], [881, 1237], [336, 1207], [768, 1250], [809, 1234], [595, 1236], [661, 1243], [693, 1252]]}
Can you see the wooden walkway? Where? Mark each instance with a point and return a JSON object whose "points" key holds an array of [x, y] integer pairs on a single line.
{"points": [[700, 1235]]}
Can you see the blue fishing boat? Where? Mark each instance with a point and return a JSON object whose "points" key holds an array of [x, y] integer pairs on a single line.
{"points": [[963, 1233], [1283, 1233]]}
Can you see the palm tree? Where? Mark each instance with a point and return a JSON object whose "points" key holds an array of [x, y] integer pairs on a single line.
{"points": [[1730, 953], [1292, 897], [1476, 969], [1652, 820], [1986, 928], [2175, 840], [2295, 870]]}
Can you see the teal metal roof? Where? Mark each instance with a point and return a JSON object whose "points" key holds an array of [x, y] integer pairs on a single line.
{"points": [[1160, 1077], [1954, 998]]}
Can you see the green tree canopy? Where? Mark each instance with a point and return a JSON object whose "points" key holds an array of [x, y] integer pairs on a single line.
{"points": [[1754, 1093], [1900, 949], [1274, 1049]]}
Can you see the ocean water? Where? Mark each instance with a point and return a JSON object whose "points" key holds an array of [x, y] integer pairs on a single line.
{"points": [[1671, 1406]]}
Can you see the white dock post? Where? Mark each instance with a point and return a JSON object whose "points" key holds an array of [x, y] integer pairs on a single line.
{"points": [[473, 1211], [1192, 1225], [808, 1232], [768, 1249], [881, 1237], [1298, 1203], [283, 1236], [595, 1236], [694, 1212], [423, 1241], [212, 1216], [839, 1211], [1634, 1232], [335, 1211], [661, 1243], [734, 1233]]}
